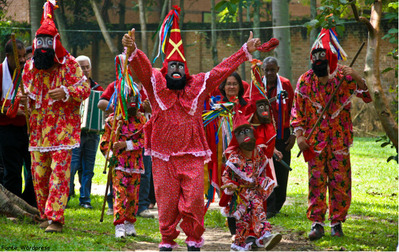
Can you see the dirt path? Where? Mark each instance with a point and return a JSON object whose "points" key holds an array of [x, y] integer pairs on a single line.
{"points": [[217, 239]]}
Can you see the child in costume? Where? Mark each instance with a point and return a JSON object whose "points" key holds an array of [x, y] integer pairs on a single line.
{"points": [[246, 181], [127, 160]]}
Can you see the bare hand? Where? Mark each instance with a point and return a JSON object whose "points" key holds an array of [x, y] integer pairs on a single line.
{"points": [[24, 98], [278, 154], [302, 144], [57, 94], [290, 143], [129, 41], [146, 106], [119, 145], [230, 187], [252, 43]]}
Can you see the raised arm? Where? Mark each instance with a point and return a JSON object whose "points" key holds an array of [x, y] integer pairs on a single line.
{"points": [[229, 65], [138, 61]]}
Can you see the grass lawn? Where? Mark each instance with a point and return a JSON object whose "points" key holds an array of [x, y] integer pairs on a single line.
{"points": [[372, 224]]}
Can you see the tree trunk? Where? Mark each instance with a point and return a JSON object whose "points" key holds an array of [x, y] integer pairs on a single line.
{"points": [[60, 18], [156, 42], [313, 32], [122, 12], [256, 26], [36, 11], [242, 41], [12, 205], [372, 73], [283, 51], [214, 35], [143, 25], [95, 60], [104, 31]]}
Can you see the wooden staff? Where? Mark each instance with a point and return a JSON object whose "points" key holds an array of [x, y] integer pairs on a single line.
{"points": [[17, 70], [332, 97], [128, 52], [109, 177]]}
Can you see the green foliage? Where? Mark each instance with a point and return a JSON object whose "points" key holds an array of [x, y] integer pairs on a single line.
{"points": [[387, 142]]}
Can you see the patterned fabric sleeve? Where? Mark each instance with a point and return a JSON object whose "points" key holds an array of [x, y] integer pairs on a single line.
{"points": [[298, 119], [143, 69], [78, 87], [104, 143], [227, 176]]}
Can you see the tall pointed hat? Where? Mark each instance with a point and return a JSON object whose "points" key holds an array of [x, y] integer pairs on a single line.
{"points": [[328, 40], [171, 44], [48, 28]]}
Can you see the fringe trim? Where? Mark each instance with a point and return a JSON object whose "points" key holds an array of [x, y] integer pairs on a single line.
{"points": [[159, 101], [248, 54], [239, 172], [54, 148], [195, 102], [165, 157], [196, 244]]}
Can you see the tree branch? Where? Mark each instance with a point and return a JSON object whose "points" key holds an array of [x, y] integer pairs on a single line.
{"points": [[362, 19]]}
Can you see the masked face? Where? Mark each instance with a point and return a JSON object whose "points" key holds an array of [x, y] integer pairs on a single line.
{"points": [[320, 62], [245, 138], [176, 76], [263, 112], [132, 105], [44, 52]]}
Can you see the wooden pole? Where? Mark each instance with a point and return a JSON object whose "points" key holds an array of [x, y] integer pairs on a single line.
{"points": [[18, 70]]}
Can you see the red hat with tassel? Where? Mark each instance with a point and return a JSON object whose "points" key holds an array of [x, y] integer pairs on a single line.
{"points": [[171, 44]]}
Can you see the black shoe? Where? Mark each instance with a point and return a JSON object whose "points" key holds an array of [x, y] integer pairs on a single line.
{"points": [[193, 248], [336, 230], [253, 240], [316, 232], [86, 205], [165, 249]]}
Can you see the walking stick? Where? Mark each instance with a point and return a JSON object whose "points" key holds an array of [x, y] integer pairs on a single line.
{"points": [[128, 51], [18, 69], [332, 97], [109, 177]]}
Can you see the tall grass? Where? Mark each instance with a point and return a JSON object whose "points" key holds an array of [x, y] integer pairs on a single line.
{"points": [[372, 223]]}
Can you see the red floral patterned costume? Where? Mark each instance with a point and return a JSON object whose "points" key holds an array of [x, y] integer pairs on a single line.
{"points": [[330, 141], [54, 131], [129, 167]]}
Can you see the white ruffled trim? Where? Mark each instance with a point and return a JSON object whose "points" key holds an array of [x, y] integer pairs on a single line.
{"points": [[248, 54], [263, 166], [342, 152], [129, 145], [316, 104], [160, 103], [54, 148], [120, 168], [320, 223], [348, 101], [196, 244], [274, 184], [238, 172], [195, 102], [238, 248], [227, 191], [132, 54], [299, 128], [266, 234], [167, 245], [30, 95], [165, 157], [66, 93]]}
